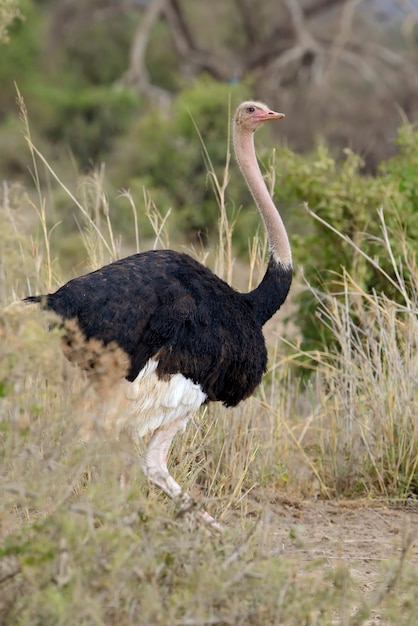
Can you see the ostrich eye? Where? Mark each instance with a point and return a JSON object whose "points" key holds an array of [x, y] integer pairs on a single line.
{"points": [[250, 110]]}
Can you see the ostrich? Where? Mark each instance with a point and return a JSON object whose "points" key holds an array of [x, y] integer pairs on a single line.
{"points": [[187, 337]]}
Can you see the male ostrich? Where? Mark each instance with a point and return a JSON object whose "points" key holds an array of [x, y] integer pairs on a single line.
{"points": [[188, 337]]}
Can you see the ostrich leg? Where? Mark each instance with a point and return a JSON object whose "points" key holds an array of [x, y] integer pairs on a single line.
{"points": [[154, 466]]}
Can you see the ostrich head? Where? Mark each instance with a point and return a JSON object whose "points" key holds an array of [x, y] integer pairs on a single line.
{"points": [[251, 115]]}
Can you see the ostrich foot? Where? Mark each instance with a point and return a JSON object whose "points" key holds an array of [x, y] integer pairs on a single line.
{"points": [[189, 507]]}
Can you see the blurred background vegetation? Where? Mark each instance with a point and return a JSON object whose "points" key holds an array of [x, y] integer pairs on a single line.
{"points": [[121, 90]]}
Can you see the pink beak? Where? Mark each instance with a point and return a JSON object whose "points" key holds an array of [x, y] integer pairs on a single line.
{"points": [[264, 116]]}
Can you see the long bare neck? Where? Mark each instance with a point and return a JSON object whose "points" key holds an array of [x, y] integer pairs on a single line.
{"points": [[276, 232]]}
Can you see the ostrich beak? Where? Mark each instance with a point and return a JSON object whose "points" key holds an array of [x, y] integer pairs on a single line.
{"points": [[265, 116]]}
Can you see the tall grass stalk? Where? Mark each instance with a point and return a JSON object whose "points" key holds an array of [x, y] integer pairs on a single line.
{"points": [[100, 200], [224, 258]]}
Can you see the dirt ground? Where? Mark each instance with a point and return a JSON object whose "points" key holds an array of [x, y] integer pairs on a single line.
{"points": [[360, 534], [356, 531]]}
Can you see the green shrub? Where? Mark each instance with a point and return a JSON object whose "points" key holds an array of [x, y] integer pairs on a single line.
{"points": [[19, 57], [87, 120], [341, 195], [164, 155]]}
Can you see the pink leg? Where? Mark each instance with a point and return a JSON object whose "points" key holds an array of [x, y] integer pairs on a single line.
{"points": [[154, 461], [154, 466]]}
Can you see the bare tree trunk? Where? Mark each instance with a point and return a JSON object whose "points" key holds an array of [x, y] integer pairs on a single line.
{"points": [[193, 58], [137, 72]]}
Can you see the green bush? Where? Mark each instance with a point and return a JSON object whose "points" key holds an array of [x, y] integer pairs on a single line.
{"points": [[56, 61], [164, 155], [20, 56], [87, 120], [341, 195]]}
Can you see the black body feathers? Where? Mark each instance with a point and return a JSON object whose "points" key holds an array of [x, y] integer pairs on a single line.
{"points": [[167, 306]]}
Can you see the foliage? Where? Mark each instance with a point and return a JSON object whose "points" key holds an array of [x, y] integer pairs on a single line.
{"points": [[91, 42], [20, 56], [8, 12], [86, 120], [165, 155], [74, 102], [371, 377], [347, 199]]}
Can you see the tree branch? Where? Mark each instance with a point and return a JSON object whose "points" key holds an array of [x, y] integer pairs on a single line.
{"points": [[137, 72], [193, 58], [283, 36]]}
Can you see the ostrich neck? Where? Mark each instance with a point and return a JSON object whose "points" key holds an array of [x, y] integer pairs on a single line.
{"points": [[270, 294], [276, 232]]}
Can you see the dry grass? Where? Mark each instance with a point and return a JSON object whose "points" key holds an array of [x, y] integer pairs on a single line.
{"points": [[366, 413], [78, 549]]}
